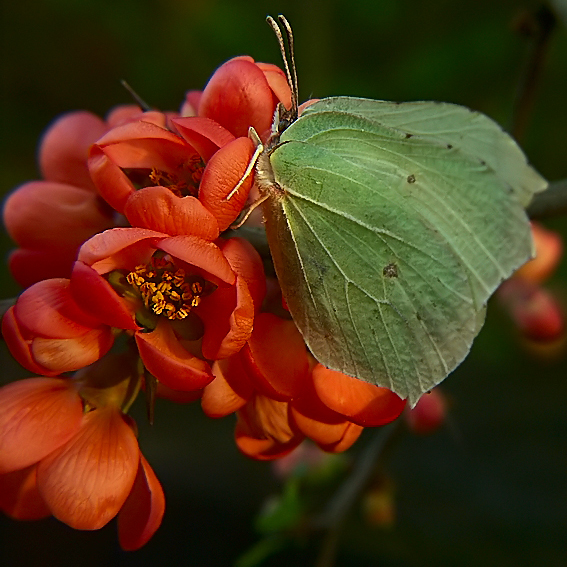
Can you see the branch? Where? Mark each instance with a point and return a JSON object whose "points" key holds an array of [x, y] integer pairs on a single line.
{"points": [[538, 27], [550, 203], [338, 508]]}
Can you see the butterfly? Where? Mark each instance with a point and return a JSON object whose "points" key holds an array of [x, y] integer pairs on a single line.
{"points": [[390, 225]]}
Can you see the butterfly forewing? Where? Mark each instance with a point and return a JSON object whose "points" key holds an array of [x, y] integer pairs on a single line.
{"points": [[387, 246]]}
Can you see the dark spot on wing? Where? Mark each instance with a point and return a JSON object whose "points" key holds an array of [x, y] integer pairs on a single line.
{"points": [[408, 135], [390, 271], [411, 178], [449, 146]]}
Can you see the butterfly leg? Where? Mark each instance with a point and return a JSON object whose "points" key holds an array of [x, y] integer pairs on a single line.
{"points": [[253, 135]]}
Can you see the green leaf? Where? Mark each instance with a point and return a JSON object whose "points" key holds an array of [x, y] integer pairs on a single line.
{"points": [[391, 227]]}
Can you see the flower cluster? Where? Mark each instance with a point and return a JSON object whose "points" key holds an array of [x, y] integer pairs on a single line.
{"points": [[535, 310], [124, 244]]}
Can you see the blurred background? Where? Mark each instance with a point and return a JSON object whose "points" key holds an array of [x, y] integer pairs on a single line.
{"points": [[491, 487]]}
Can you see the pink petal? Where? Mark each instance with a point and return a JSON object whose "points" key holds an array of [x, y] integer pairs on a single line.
{"points": [[143, 144], [87, 481], [143, 510], [38, 416]]}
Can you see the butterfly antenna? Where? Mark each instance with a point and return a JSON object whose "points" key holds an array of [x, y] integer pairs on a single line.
{"points": [[294, 87], [291, 79], [137, 98]]}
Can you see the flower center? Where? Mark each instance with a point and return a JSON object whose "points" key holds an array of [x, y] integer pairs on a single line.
{"points": [[182, 183], [165, 289]]}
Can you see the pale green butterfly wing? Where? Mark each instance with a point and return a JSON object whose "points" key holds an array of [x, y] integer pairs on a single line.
{"points": [[471, 131], [387, 246]]}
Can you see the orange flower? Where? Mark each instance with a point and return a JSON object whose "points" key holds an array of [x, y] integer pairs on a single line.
{"points": [[280, 400], [48, 333], [84, 467], [51, 218], [428, 414], [536, 311], [172, 175], [185, 299]]}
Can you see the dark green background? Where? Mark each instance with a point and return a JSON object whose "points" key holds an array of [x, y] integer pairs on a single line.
{"points": [[491, 488]]}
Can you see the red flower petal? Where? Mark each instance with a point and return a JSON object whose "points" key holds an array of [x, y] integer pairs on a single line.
{"points": [[230, 389], [224, 334], [221, 176], [169, 362], [86, 482], [119, 248], [203, 134], [330, 430], [143, 144], [200, 253], [238, 96], [143, 510], [45, 214], [19, 497], [159, 209], [278, 82], [123, 113], [31, 266], [535, 311], [549, 250], [363, 403], [111, 182], [20, 346], [263, 430], [65, 146], [275, 357], [48, 309], [190, 104], [38, 416], [428, 414], [95, 295], [65, 355], [246, 264]]}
